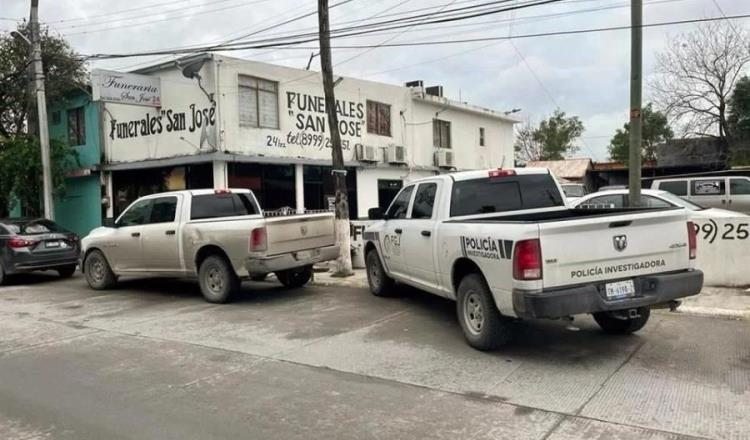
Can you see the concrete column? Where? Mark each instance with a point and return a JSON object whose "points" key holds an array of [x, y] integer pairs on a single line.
{"points": [[109, 193], [299, 187], [221, 175]]}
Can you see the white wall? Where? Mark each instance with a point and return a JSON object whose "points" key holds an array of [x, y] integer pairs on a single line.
{"points": [[724, 251], [295, 85], [135, 133]]}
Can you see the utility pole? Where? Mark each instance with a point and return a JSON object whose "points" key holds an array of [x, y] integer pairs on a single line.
{"points": [[41, 105], [636, 56], [344, 262]]}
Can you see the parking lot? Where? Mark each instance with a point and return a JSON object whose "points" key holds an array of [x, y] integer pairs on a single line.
{"points": [[153, 360]]}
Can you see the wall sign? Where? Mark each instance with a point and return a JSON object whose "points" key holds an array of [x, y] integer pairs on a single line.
{"points": [[125, 88], [308, 113], [164, 120]]}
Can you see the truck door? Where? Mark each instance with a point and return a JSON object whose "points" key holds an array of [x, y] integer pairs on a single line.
{"points": [[395, 226], [418, 238], [160, 236], [739, 194], [124, 248]]}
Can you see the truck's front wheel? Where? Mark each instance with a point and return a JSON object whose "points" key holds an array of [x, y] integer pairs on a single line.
{"points": [[483, 325], [380, 283], [217, 279], [621, 325]]}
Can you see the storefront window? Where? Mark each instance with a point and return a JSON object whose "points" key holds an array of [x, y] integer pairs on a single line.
{"points": [[129, 185], [320, 192], [273, 185]]}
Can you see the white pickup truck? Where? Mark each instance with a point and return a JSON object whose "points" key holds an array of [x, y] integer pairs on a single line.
{"points": [[220, 236], [504, 245]]}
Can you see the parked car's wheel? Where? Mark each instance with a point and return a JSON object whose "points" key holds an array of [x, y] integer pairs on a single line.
{"points": [[380, 283], [483, 325], [259, 277], [97, 271], [2, 274], [618, 326], [296, 277], [67, 271], [217, 279]]}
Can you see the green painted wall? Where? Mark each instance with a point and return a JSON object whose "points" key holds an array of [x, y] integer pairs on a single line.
{"points": [[79, 210]]}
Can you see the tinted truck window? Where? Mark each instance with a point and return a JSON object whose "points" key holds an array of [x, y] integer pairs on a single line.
{"points": [[221, 205], [502, 194]]}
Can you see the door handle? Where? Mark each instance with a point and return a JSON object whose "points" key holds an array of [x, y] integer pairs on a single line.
{"points": [[426, 233], [398, 231], [171, 232], [135, 234]]}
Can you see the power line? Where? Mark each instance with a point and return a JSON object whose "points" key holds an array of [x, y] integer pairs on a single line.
{"points": [[286, 45], [121, 11]]}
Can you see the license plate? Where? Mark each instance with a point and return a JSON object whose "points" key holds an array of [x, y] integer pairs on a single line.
{"points": [[52, 244], [304, 255], [620, 289]]}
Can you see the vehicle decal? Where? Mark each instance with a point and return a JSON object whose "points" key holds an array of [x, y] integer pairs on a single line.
{"points": [[392, 245], [593, 271], [486, 247], [373, 236]]}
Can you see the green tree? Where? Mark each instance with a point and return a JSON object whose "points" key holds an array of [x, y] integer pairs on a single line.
{"points": [[739, 122], [21, 171], [20, 158], [551, 140], [64, 70], [655, 131]]}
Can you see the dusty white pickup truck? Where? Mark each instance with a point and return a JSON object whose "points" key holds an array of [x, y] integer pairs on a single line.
{"points": [[504, 245], [220, 236]]}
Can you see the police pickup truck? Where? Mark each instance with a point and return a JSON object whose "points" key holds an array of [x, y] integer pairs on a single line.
{"points": [[504, 245]]}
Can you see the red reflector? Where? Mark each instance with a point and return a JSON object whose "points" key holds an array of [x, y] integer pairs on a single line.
{"points": [[692, 241], [258, 240], [502, 173], [18, 242], [527, 260]]}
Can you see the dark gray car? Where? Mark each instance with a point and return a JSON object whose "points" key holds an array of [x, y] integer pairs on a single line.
{"points": [[28, 245]]}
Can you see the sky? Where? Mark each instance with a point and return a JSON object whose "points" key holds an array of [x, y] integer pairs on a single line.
{"points": [[586, 75]]}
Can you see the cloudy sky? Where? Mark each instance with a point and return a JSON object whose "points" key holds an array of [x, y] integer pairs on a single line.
{"points": [[583, 74]]}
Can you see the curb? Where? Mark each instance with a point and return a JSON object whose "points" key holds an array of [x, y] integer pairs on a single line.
{"points": [[713, 312]]}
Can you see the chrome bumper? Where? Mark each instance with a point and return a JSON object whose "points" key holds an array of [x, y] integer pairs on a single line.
{"points": [[277, 263]]}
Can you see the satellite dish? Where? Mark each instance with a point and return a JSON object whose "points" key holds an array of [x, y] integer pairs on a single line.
{"points": [[191, 70]]}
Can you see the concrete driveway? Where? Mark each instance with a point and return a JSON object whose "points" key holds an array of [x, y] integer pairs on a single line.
{"points": [[151, 360]]}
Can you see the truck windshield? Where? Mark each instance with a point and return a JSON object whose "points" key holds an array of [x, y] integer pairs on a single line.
{"points": [[502, 194]]}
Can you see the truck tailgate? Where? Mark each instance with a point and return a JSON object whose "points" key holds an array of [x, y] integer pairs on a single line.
{"points": [[613, 247], [299, 232]]}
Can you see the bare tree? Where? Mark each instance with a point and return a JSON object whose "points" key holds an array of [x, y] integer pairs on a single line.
{"points": [[695, 76], [527, 148]]}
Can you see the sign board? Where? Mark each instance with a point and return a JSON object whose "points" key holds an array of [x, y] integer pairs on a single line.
{"points": [[126, 88]]}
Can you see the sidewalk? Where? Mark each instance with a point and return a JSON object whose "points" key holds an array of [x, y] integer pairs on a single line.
{"points": [[724, 302]]}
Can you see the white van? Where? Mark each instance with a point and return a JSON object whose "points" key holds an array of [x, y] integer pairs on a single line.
{"points": [[728, 192]]}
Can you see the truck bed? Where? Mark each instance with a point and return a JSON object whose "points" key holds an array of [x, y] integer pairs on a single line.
{"points": [[558, 215]]}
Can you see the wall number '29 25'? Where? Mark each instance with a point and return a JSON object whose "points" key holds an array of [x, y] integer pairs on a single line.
{"points": [[710, 231]]}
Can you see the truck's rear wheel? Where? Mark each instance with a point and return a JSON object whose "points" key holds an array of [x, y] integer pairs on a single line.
{"points": [[380, 283], [483, 325], [618, 325], [296, 277], [99, 275], [217, 279]]}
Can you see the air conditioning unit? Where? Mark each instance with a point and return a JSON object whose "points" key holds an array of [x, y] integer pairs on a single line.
{"points": [[396, 154], [366, 153], [444, 158]]}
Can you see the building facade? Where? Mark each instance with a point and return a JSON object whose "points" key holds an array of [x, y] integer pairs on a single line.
{"points": [[264, 127]]}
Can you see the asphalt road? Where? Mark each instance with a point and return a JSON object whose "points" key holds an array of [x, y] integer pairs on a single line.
{"points": [[151, 360]]}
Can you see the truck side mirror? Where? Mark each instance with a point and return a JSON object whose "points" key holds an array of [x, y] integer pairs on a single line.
{"points": [[375, 214]]}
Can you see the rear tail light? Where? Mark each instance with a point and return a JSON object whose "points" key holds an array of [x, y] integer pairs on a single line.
{"points": [[692, 241], [18, 243], [501, 173], [258, 240], [527, 260]]}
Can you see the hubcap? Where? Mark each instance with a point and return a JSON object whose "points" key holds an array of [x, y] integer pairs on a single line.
{"points": [[474, 313], [374, 273], [215, 280], [97, 270]]}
